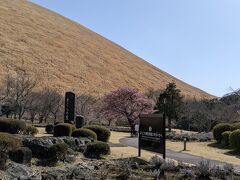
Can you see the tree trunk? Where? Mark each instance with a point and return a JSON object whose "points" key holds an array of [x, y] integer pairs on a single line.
{"points": [[169, 124], [132, 127]]}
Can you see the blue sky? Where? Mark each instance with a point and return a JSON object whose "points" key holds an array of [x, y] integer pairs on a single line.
{"points": [[197, 41]]}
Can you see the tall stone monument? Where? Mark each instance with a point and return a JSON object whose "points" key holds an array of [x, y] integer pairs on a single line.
{"points": [[69, 113]]}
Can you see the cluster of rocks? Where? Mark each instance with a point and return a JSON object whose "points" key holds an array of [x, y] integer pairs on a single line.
{"points": [[40, 146], [23, 172]]}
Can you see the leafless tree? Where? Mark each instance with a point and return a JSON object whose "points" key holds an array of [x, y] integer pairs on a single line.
{"points": [[50, 103], [16, 90], [85, 104]]}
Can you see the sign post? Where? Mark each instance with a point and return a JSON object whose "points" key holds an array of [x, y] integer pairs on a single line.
{"points": [[152, 134], [69, 114]]}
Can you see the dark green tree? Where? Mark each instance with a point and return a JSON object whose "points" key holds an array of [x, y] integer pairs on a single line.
{"points": [[170, 102]]}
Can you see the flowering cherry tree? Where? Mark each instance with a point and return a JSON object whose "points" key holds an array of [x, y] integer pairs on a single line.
{"points": [[127, 103]]}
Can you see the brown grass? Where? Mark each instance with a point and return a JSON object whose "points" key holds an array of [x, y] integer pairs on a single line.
{"points": [[203, 149], [68, 56]]}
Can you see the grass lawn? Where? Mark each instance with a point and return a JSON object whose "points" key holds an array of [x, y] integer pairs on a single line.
{"points": [[203, 149]]}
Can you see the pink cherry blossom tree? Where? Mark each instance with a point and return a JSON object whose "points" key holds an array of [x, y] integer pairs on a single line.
{"points": [[127, 103]]}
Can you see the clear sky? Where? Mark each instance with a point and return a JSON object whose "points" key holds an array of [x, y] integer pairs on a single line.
{"points": [[197, 41]]}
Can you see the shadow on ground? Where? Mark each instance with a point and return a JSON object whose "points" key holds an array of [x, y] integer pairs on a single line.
{"points": [[231, 152]]}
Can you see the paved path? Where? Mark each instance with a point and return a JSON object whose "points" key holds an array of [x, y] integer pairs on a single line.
{"points": [[179, 156]]}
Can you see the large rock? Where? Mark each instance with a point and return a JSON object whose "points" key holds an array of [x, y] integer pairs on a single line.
{"points": [[40, 145], [19, 171], [69, 173]]}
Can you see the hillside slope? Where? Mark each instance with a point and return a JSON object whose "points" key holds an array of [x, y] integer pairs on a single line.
{"points": [[69, 56]]}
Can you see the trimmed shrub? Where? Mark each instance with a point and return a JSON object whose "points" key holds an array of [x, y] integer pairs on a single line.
{"points": [[83, 132], [22, 155], [12, 126], [225, 136], [73, 127], [103, 134], [96, 149], [57, 152], [219, 129], [63, 129], [49, 128], [9, 142], [235, 126], [234, 139], [3, 160], [31, 130]]}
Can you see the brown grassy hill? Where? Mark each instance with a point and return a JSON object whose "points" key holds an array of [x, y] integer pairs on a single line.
{"points": [[69, 56]]}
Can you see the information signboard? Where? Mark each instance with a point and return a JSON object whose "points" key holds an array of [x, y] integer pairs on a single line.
{"points": [[152, 133]]}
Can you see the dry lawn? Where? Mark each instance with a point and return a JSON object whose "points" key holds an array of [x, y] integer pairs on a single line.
{"points": [[68, 56], [204, 149]]}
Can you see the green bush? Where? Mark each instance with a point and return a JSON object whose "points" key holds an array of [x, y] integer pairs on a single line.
{"points": [[57, 152], [225, 136], [83, 132], [96, 149], [49, 128], [22, 155], [219, 129], [234, 139], [235, 126], [12, 126], [63, 129], [31, 130], [8, 142], [103, 134]]}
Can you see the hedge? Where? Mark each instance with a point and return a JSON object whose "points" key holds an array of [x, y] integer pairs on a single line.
{"points": [[12, 126], [57, 152], [103, 134], [219, 129], [83, 132], [49, 128], [225, 136], [63, 129], [234, 139], [96, 149], [235, 126], [8, 142], [31, 130]]}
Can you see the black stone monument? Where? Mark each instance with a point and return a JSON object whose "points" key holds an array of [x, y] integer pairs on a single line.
{"points": [[69, 114]]}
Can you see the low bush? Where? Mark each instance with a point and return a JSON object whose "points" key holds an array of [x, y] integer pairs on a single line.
{"points": [[12, 126], [235, 126], [204, 170], [49, 128], [96, 149], [199, 137], [31, 130], [9, 142], [83, 132], [63, 129], [57, 152], [3, 160], [219, 129], [225, 136], [103, 134], [22, 155], [234, 139]]}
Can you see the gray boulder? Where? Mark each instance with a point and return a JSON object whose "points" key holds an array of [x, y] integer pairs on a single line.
{"points": [[19, 171], [40, 145]]}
